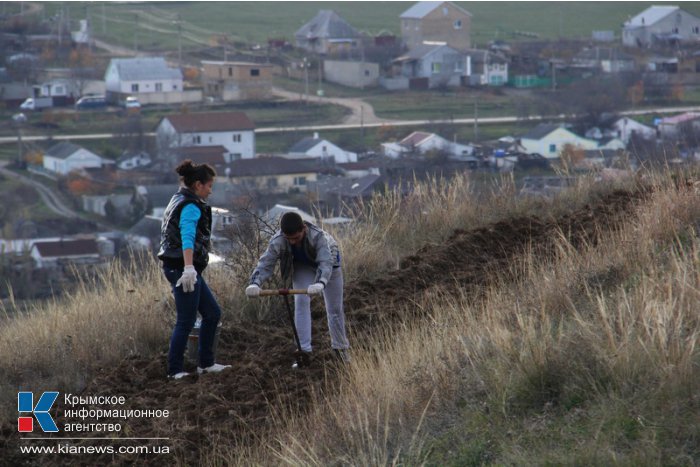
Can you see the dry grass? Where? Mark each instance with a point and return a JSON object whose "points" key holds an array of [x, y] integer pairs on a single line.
{"points": [[496, 355], [58, 344], [588, 359]]}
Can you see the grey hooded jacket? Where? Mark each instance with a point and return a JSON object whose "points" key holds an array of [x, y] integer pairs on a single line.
{"points": [[318, 245]]}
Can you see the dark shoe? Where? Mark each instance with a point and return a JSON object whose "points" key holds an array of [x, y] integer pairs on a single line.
{"points": [[342, 355], [301, 359]]}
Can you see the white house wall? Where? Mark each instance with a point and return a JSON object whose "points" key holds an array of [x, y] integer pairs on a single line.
{"points": [[149, 86], [664, 26], [82, 159], [626, 127], [551, 145], [434, 143], [614, 144], [353, 74], [113, 83], [447, 58], [497, 74], [243, 150], [166, 133], [332, 150]]}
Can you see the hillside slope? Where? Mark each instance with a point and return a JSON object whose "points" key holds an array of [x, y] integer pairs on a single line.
{"points": [[239, 406]]}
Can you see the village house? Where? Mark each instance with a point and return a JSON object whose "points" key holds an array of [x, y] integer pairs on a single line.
{"points": [[605, 59], [351, 73], [154, 198], [150, 79], [274, 174], [236, 81], [359, 169], [549, 140], [436, 22], [114, 205], [145, 234], [625, 128], [272, 216], [212, 155], [420, 142], [232, 130], [672, 127], [131, 160], [13, 91], [428, 65], [327, 33], [316, 147], [64, 157], [661, 25], [63, 91], [331, 192], [56, 253], [483, 67]]}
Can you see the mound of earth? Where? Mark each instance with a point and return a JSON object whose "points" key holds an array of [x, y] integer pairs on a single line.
{"points": [[238, 405]]}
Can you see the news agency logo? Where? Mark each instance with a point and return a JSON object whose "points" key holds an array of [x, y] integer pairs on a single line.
{"points": [[25, 403]]}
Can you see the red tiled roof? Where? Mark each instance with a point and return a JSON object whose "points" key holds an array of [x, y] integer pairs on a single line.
{"points": [[210, 122], [67, 248], [212, 155]]}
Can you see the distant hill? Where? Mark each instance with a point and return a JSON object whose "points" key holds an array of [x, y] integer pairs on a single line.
{"points": [[258, 21]]}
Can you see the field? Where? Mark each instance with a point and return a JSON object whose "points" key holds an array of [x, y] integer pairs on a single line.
{"points": [[154, 26], [487, 329]]}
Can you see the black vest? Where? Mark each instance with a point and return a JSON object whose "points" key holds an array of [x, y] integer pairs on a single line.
{"points": [[170, 252]]}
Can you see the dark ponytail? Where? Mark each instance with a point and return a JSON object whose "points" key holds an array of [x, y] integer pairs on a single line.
{"points": [[190, 172]]}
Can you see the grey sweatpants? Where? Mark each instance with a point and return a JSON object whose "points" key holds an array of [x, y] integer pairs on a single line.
{"points": [[332, 295]]}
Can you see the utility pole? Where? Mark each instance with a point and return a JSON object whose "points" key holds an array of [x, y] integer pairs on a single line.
{"points": [[104, 19], [60, 27], [320, 74], [88, 28], [362, 122], [19, 144], [179, 39], [306, 79], [476, 116], [136, 32]]}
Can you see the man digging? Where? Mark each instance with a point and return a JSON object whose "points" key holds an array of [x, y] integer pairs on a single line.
{"points": [[310, 256]]}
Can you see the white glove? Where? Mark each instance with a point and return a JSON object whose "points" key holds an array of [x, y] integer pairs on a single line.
{"points": [[252, 291], [188, 279], [316, 288]]}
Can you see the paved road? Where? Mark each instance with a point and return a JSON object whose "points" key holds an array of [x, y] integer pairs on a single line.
{"points": [[362, 112], [353, 125], [52, 200]]}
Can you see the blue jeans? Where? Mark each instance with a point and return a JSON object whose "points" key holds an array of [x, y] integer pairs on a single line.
{"points": [[187, 305]]}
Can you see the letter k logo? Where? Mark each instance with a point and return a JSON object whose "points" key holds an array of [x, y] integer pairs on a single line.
{"points": [[25, 403]]}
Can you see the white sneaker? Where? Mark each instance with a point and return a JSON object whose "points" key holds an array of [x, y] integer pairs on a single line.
{"points": [[180, 375], [215, 368]]}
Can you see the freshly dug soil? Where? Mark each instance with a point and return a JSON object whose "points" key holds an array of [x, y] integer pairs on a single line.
{"points": [[236, 405]]}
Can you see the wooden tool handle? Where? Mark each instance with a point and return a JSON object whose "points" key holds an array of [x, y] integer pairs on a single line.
{"points": [[266, 293]]}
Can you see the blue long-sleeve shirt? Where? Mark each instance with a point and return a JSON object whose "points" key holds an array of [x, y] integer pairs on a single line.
{"points": [[188, 225]]}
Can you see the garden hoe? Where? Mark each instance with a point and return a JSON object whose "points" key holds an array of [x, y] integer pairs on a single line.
{"points": [[302, 358]]}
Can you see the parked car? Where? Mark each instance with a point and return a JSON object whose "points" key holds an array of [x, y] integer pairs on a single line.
{"points": [[132, 102], [36, 103], [91, 102]]}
